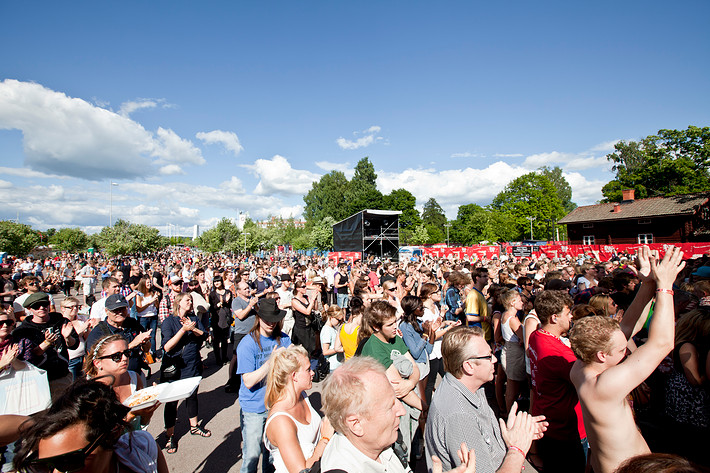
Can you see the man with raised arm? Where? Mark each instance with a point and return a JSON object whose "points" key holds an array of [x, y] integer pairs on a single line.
{"points": [[603, 378]]}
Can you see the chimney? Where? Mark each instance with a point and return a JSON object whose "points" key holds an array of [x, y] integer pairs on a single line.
{"points": [[617, 206], [628, 194]]}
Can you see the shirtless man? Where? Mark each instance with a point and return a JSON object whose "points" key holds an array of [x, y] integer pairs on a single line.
{"points": [[603, 382]]}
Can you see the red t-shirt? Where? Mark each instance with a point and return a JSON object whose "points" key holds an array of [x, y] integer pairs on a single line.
{"points": [[553, 393]]}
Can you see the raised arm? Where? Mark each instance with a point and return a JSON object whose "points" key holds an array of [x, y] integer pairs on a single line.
{"points": [[619, 380], [635, 317]]}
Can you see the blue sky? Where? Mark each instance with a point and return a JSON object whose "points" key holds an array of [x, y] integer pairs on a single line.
{"points": [[199, 110]]}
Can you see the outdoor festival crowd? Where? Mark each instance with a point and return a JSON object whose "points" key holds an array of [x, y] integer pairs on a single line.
{"points": [[568, 365]]}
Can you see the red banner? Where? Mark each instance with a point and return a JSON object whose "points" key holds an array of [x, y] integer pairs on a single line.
{"points": [[346, 255]]}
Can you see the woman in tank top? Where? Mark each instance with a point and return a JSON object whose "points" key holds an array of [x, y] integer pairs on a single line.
{"points": [[513, 354], [294, 432]]}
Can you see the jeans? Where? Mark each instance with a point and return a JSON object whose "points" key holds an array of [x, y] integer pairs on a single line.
{"points": [[343, 300], [75, 367], [152, 324], [252, 433]]}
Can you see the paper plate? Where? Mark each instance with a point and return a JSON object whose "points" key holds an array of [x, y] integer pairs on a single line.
{"points": [[178, 390], [150, 394]]}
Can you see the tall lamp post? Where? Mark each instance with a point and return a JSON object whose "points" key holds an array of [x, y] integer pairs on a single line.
{"points": [[531, 221], [245, 242], [110, 203], [447, 225]]}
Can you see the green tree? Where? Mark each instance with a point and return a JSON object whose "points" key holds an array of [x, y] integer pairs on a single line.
{"points": [[475, 224], [17, 239], [325, 199], [564, 191], [222, 237], [420, 236], [670, 163], [362, 192], [70, 239], [125, 238], [434, 219], [530, 195], [405, 202], [321, 236]]}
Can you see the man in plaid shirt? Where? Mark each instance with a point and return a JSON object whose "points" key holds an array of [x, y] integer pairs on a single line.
{"points": [[165, 309]]}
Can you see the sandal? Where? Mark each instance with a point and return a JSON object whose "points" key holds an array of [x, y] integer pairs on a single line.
{"points": [[171, 446], [197, 430]]}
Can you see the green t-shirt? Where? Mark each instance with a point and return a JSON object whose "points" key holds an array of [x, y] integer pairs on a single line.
{"points": [[384, 352]]}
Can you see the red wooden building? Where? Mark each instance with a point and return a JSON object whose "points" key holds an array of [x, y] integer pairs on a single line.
{"points": [[676, 219]]}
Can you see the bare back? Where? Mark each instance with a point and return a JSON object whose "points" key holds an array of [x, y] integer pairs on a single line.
{"points": [[609, 422]]}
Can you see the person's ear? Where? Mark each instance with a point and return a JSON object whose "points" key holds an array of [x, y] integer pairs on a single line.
{"points": [[353, 424], [601, 356]]}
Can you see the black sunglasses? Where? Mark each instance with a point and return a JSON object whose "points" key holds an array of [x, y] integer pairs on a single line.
{"points": [[117, 357], [7, 322], [487, 357], [39, 305], [66, 462]]}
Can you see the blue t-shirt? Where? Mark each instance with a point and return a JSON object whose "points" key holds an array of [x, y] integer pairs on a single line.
{"points": [[250, 359]]}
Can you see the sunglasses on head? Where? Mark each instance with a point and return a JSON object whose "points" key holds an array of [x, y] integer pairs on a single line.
{"points": [[66, 462], [40, 305], [117, 357], [7, 322]]}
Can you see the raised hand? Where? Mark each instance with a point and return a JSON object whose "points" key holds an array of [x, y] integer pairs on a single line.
{"points": [[665, 271]]}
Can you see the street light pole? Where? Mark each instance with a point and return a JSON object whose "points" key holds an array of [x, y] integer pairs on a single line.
{"points": [[110, 203], [447, 225], [531, 221], [245, 242]]}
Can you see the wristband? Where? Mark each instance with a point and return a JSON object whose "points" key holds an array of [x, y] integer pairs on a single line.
{"points": [[666, 291], [327, 439], [517, 449]]}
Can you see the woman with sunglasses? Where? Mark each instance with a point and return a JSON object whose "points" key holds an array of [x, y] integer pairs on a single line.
{"points": [[147, 300], [84, 432], [294, 432], [107, 361], [70, 310], [183, 334], [304, 332]]}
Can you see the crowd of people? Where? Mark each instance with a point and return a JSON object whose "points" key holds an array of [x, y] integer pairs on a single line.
{"points": [[570, 365]]}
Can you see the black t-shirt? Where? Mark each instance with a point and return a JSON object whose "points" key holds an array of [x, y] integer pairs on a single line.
{"points": [[56, 359], [133, 281], [131, 328], [158, 278]]}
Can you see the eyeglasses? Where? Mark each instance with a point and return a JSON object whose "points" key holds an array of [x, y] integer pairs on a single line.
{"points": [[39, 305], [31, 283], [70, 307], [117, 357], [66, 462], [391, 289], [7, 322], [487, 357]]}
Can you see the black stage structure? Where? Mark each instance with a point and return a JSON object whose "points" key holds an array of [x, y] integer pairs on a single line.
{"points": [[369, 232]]}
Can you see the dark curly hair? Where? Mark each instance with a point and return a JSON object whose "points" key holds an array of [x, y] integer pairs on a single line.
{"points": [[85, 402]]}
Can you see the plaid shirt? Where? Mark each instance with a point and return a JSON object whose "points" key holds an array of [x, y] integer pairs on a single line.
{"points": [[165, 309]]}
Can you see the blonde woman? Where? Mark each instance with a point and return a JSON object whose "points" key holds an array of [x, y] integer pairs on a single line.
{"points": [[294, 432], [107, 362], [329, 340]]}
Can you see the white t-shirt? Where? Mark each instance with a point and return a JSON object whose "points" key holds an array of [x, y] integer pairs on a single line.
{"points": [[431, 317]]}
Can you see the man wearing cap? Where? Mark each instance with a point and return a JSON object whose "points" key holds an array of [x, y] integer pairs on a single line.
{"points": [[50, 334], [118, 322], [244, 315], [254, 352], [110, 286], [285, 292]]}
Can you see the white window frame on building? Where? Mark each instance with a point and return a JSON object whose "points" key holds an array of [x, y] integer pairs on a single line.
{"points": [[588, 240], [645, 238]]}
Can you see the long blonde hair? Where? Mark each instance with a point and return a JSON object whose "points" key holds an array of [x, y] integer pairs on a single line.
{"points": [[283, 364]]}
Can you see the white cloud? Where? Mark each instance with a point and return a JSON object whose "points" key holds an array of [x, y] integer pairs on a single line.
{"points": [[28, 173], [172, 148], [588, 159], [276, 176], [171, 170], [328, 166], [369, 138], [584, 191], [466, 155], [228, 139], [511, 155], [606, 147], [129, 107], [69, 136]]}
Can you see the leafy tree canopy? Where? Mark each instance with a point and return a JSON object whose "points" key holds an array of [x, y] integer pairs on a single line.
{"points": [[17, 239], [564, 191], [404, 201], [70, 239], [325, 199], [530, 195], [433, 214], [670, 163], [126, 238]]}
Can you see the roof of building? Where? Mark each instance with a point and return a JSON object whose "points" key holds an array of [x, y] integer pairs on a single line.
{"points": [[641, 208]]}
